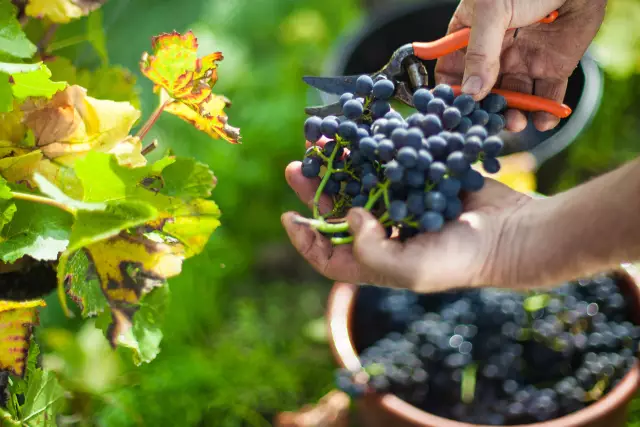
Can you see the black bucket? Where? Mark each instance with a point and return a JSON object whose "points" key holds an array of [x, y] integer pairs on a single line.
{"points": [[392, 24]]}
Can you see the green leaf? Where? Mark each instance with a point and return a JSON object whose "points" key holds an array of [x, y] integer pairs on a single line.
{"points": [[95, 35], [12, 39], [40, 231], [6, 95], [84, 286], [5, 191], [10, 68], [43, 400], [7, 210], [36, 83], [144, 338], [536, 302], [56, 194], [188, 179]]}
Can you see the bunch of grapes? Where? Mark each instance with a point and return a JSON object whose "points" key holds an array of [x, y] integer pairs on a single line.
{"points": [[494, 357], [410, 173]]}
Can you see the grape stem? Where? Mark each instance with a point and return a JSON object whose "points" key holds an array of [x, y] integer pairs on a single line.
{"points": [[325, 179], [43, 201], [153, 118], [337, 241]]}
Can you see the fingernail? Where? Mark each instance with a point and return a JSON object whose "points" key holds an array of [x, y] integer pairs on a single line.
{"points": [[472, 86], [355, 220]]}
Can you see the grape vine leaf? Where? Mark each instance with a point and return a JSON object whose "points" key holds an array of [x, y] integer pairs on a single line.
{"points": [[18, 319], [43, 400], [61, 11], [83, 285], [174, 67], [72, 124], [5, 191], [20, 81], [13, 40]]}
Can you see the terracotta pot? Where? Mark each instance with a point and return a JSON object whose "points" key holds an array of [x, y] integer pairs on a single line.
{"points": [[390, 411]]}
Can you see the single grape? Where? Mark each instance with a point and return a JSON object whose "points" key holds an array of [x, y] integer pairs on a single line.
{"points": [[458, 163], [394, 171], [478, 131], [394, 115], [362, 133], [414, 120], [352, 109], [368, 147], [364, 85], [492, 146], [347, 96], [383, 89], [415, 202], [415, 178], [430, 125], [472, 148], [496, 124], [424, 160], [312, 129], [421, 99], [386, 150], [414, 138], [450, 187], [356, 158], [437, 171], [444, 92], [437, 146], [332, 187], [472, 181], [369, 181], [360, 201], [465, 103], [435, 201], [399, 137], [329, 127], [436, 106], [465, 125], [455, 142], [348, 130], [380, 107], [352, 188], [454, 208], [407, 157], [329, 148], [380, 126], [479, 117], [393, 124], [494, 103], [491, 165], [431, 222], [398, 211], [311, 167], [451, 118], [368, 168]]}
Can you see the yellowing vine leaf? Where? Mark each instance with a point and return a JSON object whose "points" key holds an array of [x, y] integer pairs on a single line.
{"points": [[17, 320], [61, 11], [19, 81], [71, 124], [175, 68]]}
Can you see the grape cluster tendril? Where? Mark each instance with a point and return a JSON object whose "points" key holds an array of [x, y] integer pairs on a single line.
{"points": [[409, 172]]}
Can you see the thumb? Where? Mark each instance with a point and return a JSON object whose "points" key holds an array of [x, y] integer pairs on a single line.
{"points": [[373, 249], [482, 61]]}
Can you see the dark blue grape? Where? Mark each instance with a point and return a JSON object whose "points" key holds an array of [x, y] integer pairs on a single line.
{"points": [[394, 171], [407, 157], [496, 124], [458, 163], [362, 133], [415, 203], [451, 118], [437, 146], [329, 126], [454, 208], [346, 97], [421, 99], [312, 129], [465, 125], [380, 126], [330, 147], [465, 103], [379, 108], [368, 146], [414, 138], [424, 160], [431, 125], [311, 167], [472, 181], [399, 137], [444, 92], [415, 178], [352, 109], [437, 107], [386, 150], [455, 142], [494, 103], [367, 168], [478, 131], [369, 181], [414, 120], [352, 188], [332, 187], [383, 89], [492, 146], [431, 222], [435, 201], [479, 117], [360, 201], [394, 115], [472, 148], [398, 211], [341, 175], [356, 157], [437, 171], [491, 165], [392, 125], [364, 85], [348, 130], [450, 187]]}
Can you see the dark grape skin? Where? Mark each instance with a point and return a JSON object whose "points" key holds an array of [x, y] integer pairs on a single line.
{"points": [[479, 117], [415, 203], [329, 127], [491, 165], [430, 125], [492, 146], [451, 118], [398, 210], [478, 131], [431, 222], [364, 85], [472, 181], [435, 201], [495, 124], [368, 147], [450, 187], [436, 106], [352, 188], [494, 103], [414, 138], [347, 96], [352, 109], [386, 150], [407, 157], [415, 178], [457, 163], [360, 200], [348, 130], [312, 129], [331, 187], [465, 125], [465, 104], [421, 100], [383, 89], [444, 92], [437, 171], [311, 167], [369, 181], [380, 107], [394, 172], [454, 209], [437, 146], [424, 160]]}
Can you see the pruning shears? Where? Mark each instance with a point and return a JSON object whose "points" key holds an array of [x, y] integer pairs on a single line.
{"points": [[406, 70]]}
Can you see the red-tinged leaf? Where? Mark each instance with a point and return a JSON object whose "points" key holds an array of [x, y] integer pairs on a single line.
{"points": [[209, 118], [17, 320]]}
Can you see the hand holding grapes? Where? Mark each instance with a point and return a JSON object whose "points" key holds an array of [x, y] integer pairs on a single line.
{"points": [[538, 60]]}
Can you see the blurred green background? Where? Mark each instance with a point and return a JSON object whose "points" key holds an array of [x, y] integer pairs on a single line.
{"points": [[242, 337]]}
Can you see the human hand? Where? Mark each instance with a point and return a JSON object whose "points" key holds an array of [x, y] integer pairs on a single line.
{"points": [[539, 60], [462, 254]]}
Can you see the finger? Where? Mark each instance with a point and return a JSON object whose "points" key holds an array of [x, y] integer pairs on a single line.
{"points": [[306, 188], [516, 120], [482, 61], [493, 194], [334, 262], [450, 68], [550, 89], [517, 82], [376, 252]]}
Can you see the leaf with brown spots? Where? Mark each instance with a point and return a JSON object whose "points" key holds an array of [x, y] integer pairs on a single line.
{"points": [[17, 320]]}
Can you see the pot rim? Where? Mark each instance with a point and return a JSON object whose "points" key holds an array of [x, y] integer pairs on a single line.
{"points": [[339, 316]]}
